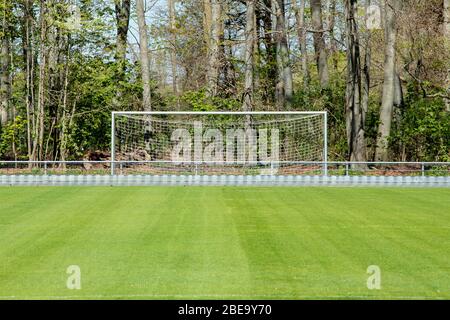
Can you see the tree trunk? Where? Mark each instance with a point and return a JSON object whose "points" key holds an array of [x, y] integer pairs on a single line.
{"points": [[447, 18], [63, 134], [173, 51], [355, 114], [38, 145], [122, 8], [214, 48], [447, 37], [319, 42], [29, 58], [58, 47], [331, 26], [229, 68], [144, 57], [301, 31], [270, 81], [207, 22], [257, 35], [284, 87], [388, 97], [5, 63], [249, 56], [367, 64]]}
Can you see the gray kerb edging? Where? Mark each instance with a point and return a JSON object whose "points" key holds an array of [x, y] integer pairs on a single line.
{"points": [[221, 180]]}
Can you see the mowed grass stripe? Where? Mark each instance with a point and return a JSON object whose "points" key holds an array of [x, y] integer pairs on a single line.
{"points": [[72, 229], [224, 242]]}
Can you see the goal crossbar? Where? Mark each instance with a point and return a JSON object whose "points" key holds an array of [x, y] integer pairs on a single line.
{"points": [[218, 113]]}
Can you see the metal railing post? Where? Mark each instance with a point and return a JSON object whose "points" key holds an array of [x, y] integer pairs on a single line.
{"points": [[325, 151], [113, 142]]}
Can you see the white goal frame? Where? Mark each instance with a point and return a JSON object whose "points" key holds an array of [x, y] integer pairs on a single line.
{"points": [[231, 113]]}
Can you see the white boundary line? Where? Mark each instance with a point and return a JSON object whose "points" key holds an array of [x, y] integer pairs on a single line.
{"points": [[225, 296]]}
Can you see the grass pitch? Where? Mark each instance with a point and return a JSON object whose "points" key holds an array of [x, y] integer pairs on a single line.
{"points": [[231, 243]]}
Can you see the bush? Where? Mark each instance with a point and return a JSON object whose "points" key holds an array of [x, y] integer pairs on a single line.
{"points": [[12, 139], [422, 132]]}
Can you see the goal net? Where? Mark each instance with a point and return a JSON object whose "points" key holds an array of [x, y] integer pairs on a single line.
{"points": [[218, 143]]}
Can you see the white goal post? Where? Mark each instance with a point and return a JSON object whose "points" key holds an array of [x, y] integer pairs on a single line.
{"points": [[218, 143]]}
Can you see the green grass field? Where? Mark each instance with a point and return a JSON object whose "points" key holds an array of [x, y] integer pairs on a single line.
{"points": [[231, 243]]}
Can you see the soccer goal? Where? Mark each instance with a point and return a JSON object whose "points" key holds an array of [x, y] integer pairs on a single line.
{"points": [[219, 143]]}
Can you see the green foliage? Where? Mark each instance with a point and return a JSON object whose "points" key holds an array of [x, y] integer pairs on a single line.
{"points": [[98, 93], [199, 101], [423, 129], [12, 137]]}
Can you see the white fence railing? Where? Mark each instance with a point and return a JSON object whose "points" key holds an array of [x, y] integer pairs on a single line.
{"points": [[224, 168]]}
